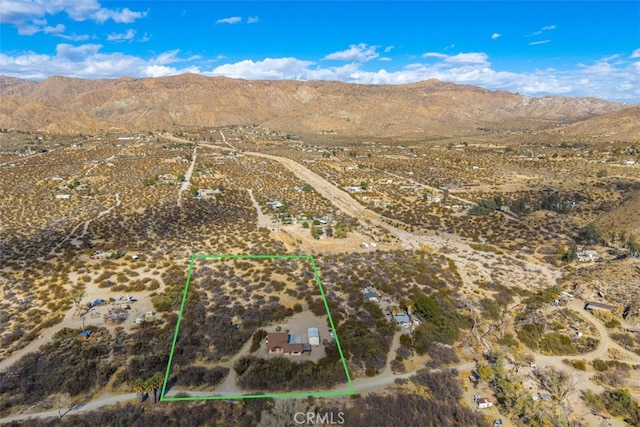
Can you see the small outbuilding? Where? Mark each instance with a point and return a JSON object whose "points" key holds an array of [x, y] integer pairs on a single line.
{"points": [[483, 403], [402, 319], [593, 305], [314, 336], [84, 335], [372, 296]]}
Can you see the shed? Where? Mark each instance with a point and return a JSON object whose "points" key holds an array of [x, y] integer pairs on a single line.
{"points": [[372, 296], [402, 319], [483, 403], [593, 305], [97, 303], [84, 335], [314, 336]]}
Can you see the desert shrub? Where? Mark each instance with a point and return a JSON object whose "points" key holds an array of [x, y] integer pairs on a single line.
{"points": [[279, 373], [491, 308], [441, 355], [397, 366], [169, 300], [557, 344], [362, 342], [579, 364], [618, 401], [403, 352], [508, 340], [197, 376], [484, 207], [543, 297], [604, 365], [443, 385], [256, 340], [65, 365], [442, 322], [411, 410], [612, 378], [530, 334]]}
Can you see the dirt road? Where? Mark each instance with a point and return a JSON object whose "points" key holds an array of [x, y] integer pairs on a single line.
{"points": [[409, 240], [35, 345], [186, 183], [86, 225], [263, 220]]}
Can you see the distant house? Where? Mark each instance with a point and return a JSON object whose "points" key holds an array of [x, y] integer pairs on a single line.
{"points": [[167, 178], [314, 336], [371, 296], [483, 403], [276, 204], [209, 193], [354, 189], [63, 196], [278, 343], [567, 295], [101, 255], [97, 303], [84, 335], [402, 319], [593, 305], [587, 255]]}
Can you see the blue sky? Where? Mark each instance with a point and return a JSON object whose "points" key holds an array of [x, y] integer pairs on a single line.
{"points": [[534, 48]]}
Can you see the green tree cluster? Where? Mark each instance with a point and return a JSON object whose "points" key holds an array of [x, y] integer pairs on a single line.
{"points": [[554, 203], [484, 207]]}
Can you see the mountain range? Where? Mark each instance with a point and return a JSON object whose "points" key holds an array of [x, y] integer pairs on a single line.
{"points": [[428, 108]]}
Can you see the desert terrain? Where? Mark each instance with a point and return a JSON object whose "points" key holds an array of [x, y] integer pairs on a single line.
{"points": [[477, 246]]}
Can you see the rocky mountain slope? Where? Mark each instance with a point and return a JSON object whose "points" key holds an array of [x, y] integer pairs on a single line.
{"points": [[66, 105]]}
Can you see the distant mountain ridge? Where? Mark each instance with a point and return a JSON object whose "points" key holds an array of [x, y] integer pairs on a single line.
{"points": [[70, 105]]}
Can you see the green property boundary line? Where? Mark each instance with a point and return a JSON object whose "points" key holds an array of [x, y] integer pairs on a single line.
{"points": [[195, 257]]}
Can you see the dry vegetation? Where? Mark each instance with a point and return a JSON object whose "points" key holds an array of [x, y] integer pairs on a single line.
{"points": [[482, 290]]}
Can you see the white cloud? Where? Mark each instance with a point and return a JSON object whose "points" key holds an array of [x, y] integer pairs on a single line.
{"points": [[384, 58], [75, 37], [541, 30], [598, 79], [59, 28], [230, 20], [360, 53], [388, 49], [539, 42], [609, 78], [635, 54], [478, 58], [468, 58], [434, 55], [495, 36], [86, 61], [120, 37], [162, 71], [252, 20], [269, 68], [26, 14], [29, 30], [75, 53]]}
